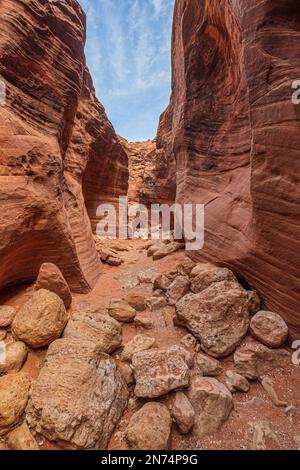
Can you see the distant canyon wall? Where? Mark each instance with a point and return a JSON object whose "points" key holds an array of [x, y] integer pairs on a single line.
{"points": [[234, 133], [59, 155]]}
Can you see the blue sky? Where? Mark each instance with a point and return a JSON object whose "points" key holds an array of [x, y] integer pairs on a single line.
{"points": [[128, 53]]}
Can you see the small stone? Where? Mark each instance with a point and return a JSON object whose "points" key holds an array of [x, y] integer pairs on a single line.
{"points": [[22, 439], [126, 372], [7, 314], [3, 334], [291, 411], [138, 302], [146, 277], [254, 302], [269, 328], [15, 356], [156, 303], [189, 342], [212, 403], [254, 360], [144, 321], [183, 413], [109, 257], [50, 278], [186, 267], [159, 371], [150, 428], [41, 320], [178, 289], [207, 366], [121, 311], [162, 283], [138, 344], [236, 382], [14, 394], [263, 436], [167, 250]]}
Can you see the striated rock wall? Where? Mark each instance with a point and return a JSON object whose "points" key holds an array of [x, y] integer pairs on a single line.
{"points": [[234, 133], [150, 178], [55, 139]]}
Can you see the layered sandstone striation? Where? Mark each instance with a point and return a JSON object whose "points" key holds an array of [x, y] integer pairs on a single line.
{"points": [[55, 140], [234, 133]]}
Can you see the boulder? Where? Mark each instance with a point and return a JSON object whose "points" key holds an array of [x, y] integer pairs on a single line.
{"points": [[109, 257], [212, 403], [150, 428], [126, 372], [136, 301], [269, 328], [167, 250], [14, 394], [209, 275], [185, 268], [183, 413], [22, 439], [254, 360], [144, 321], [15, 356], [162, 282], [78, 397], [101, 329], [206, 366], [7, 314], [50, 278], [156, 303], [137, 344], [121, 311], [178, 289], [159, 371], [236, 382], [41, 320], [218, 317]]}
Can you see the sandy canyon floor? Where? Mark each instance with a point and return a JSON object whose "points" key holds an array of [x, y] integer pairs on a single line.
{"points": [[255, 421]]}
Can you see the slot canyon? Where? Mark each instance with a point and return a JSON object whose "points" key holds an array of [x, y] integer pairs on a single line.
{"points": [[142, 344]]}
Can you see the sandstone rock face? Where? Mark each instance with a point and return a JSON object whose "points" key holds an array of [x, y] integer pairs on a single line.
{"points": [[82, 410], [183, 413], [218, 317], [55, 139], [51, 278], [150, 428], [159, 371], [150, 181], [212, 402], [269, 328], [96, 327], [7, 314], [14, 394], [121, 310], [233, 131], [15, 356], [41, 320], [254, 360], [22, 439]]}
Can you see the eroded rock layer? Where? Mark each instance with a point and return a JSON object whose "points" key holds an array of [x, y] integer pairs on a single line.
{"points": [[234, 132], [55, 139]]}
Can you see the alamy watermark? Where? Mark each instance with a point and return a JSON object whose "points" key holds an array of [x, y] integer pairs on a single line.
{"points": [[296, 93], [2, 92], [136, 221], [296, 354]]}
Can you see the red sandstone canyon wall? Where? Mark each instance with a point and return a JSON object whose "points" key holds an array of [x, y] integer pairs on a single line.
{"points": [[235, 135], [54, 139]]}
